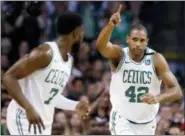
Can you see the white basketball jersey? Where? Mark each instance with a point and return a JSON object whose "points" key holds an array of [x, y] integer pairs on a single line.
{"points": [[42, 86], [130, 81]]}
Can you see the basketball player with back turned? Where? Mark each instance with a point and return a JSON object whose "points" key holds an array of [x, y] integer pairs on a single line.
{"points": [[37, 80], [137, 73]]}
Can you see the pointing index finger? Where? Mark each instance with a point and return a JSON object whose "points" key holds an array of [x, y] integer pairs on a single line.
{"points": [[119, 9]]}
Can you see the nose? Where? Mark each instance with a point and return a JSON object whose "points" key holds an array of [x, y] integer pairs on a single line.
{"points": [[138, 44]]}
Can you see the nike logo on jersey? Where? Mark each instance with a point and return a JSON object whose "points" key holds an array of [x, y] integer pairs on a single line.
{"points": [[56, 60], [153, 126], [147, 62], [127, 62]]}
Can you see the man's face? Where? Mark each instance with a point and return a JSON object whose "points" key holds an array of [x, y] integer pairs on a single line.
{"points": [[24, 47], [78, 86], [75, 120], [137, 41]]}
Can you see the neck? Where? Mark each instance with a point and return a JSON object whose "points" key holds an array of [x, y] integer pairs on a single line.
{"points": [[136, 58], [65, 45]]}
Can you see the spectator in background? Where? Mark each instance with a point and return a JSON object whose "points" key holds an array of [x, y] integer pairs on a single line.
{"points": [[86, 10], [174, 131], [164, 113], [60, 6], [28, 25], [60, 125], [73, 5], [101, 113], [45, 22], [76, 125], [6, 46], [4, 62], [175, 107], [177, 119], [77, 89], [180, 78], [162, 127], [99, 131], [92, 91], [23, 49], [83, 58], [97, 70]]}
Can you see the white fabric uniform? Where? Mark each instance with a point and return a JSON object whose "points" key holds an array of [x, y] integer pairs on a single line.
{"points": [[128, 83], [41, 88]]}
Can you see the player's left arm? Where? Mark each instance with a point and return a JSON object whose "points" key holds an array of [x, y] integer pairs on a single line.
{"points": [[65, 103], [173, 91], [81, 107]]}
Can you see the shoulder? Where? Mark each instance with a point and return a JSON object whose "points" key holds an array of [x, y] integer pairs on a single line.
{"points": [[159, 59], [38, 58], [150, 50], [43, 51], [42, 54], [161, 64]]}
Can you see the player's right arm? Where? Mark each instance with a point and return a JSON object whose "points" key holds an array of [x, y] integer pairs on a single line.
{"points": [[105, 47], [38, 58]]}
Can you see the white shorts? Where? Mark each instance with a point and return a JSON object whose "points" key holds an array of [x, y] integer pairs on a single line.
{"points": [[118, 125], [18, 124]]}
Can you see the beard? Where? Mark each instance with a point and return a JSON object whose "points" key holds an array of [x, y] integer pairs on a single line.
{"points": [[75, 51], [75, 48]]}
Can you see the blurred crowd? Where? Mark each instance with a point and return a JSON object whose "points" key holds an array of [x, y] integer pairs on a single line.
{"points": [[25, 26]]}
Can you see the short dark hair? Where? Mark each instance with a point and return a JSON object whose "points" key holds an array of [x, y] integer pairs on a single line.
{"points": [[138, 27], [67, 22], [77, 79]]}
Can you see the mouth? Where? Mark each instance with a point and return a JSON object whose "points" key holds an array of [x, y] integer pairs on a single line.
{"points": [[137, 50]]}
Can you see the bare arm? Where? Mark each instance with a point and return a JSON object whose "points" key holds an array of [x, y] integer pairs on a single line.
{"points": [[107, 49], [35, 60], [174, 91]]}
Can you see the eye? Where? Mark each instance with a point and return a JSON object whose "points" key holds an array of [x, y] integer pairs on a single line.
{"points": [[135, 39], [143, 40]]}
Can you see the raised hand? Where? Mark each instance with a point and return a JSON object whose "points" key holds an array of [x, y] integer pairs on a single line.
{"points": [[115, 18]]}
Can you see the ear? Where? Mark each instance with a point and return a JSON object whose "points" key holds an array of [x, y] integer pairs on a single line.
{"points": [[147, 39], [75, 33], [127, 38]]}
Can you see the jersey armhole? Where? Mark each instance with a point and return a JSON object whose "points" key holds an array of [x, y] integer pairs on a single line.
{"points": [[120, 62], [50, 61], [153, 66], [72, 63]]}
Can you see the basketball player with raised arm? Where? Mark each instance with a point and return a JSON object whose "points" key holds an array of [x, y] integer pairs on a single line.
{"points": [[37, 80], [137, 73]]}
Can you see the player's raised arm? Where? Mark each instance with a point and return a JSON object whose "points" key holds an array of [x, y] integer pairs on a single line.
{"points": [[38, 58], [106, 48], [174, 91]]}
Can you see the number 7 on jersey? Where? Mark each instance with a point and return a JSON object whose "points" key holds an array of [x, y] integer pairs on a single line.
{"points": [[54, 92]]}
